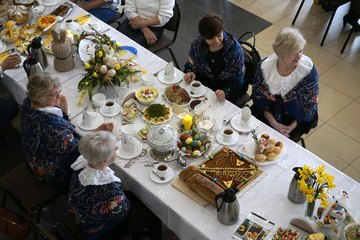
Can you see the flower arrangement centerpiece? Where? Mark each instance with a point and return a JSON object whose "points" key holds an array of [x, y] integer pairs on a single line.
{"points": [[315, 184], [106, 67]]}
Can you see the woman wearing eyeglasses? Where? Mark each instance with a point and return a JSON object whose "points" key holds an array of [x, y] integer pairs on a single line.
{"points": [[216, 59], [49, 138]]}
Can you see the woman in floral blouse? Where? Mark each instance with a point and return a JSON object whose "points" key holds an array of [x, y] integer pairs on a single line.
{"points": [[286, 87], [49, 138], [96, 197], [216, 59]]}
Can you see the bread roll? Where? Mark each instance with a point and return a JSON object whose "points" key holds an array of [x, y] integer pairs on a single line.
{"points": [[188, 172], [271, 156], [204, 187], [260, 157]]}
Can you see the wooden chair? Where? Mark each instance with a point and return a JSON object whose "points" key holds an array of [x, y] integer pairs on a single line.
{"points": [[165, 42], [331, 8], [29, 193]]}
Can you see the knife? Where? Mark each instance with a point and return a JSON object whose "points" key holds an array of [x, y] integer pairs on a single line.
{"points": [[8, 51]]}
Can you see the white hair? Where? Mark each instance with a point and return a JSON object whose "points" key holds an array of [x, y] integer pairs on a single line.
{"points": [[288, 40]]}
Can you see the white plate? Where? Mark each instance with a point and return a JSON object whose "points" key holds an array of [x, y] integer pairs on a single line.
{"points": [[236, 124], [97, 26], [2, 46], [248, 150], [177, 78], [128, 155], [169, 176], [235, 139], [49, 3], [86, 50], [94, 125], [116, 111], [195, 95]]}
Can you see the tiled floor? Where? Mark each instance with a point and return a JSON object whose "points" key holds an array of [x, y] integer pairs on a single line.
{"points": [[337, 139]]}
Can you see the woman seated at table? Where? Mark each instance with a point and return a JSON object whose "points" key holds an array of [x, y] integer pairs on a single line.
{"points": [[49, 138], [105, 10], [286, 88], [217, 60], [146, 19], [96, 197]]}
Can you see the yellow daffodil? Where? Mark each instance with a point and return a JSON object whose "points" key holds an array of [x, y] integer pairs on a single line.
{"points": [[117, 66], [95, 75], [100, 53], [87, 65]]}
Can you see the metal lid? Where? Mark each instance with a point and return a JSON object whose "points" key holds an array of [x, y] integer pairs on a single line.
{"points": [[162, 135]]}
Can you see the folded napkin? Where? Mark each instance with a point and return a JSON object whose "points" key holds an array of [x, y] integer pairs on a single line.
{"points": [[245, 116], [83, 18], [87, 119], [169, 71], [128, 144]]}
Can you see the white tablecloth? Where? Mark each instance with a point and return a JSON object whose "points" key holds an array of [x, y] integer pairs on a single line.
{"points": [[268, 197]]}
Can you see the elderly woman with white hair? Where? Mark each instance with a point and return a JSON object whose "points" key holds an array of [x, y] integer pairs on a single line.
{"points": [[101, 208], [286, 87], [49, 138]]}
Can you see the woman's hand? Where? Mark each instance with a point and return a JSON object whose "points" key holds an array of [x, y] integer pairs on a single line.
{"points": [[149, 36], [63, 104], [106, 127], [12, 61], [286, 130], [136, 23], [189, 77], [220, 94]]}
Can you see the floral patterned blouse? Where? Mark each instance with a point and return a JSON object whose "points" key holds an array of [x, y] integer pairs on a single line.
{"points": [[50, 143]]}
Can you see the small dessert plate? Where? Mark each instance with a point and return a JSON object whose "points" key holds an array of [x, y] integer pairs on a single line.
{"points": [[236, 124], [169, 176], [177, 78], [49, 3], [126, 154], [202, 92], [98, 120], [220, 139], [116, 111]]}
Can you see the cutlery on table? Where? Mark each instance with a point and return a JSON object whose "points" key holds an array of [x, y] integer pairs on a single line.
{"points": [[161, 178], [227, 121], [132, 160], [6, 52], [155, 74], [81, 18]]}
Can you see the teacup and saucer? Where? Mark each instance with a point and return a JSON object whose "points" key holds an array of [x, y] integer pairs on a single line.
{"points": [[227, 137], [161, 173], [110, 108], [196, 89], [128, 147]]}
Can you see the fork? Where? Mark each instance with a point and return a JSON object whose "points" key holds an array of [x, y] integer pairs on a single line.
{"points": [[155, 74]]}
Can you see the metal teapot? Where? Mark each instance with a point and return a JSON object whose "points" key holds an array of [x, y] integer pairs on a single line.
{"points": [[35, 47], [294, 194], [32, 66], [227, 206]]}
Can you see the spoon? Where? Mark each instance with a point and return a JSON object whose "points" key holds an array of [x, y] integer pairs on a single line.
{"points": [[161, 178]]}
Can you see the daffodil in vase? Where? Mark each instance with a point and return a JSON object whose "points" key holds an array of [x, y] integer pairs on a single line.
{"points": [[315, 184]]}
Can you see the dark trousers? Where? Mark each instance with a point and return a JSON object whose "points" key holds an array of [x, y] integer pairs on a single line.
{"points": [[136, 34], [140, 218], [354, 10], [8, 110]]}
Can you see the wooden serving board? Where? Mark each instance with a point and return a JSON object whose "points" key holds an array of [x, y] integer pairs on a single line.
{"points": [[182, 187]]}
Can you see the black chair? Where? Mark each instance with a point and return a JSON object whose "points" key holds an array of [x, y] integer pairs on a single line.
{"points": [[328, 6], [252, 58], [347, 39], [29, 193], [165, 42]]}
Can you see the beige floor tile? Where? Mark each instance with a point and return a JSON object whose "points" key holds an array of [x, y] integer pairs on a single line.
{"points": [[356, 164], [333, 146], [263, 53], [265, 38], [352, 172], [358, 99], [322, 59], [343, 77], [320, 123], [347, 121], [241, 3], [331, 102], [279, 9], [352, 50]]}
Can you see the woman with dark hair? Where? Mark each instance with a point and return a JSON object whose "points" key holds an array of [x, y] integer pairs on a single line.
{"points": [[286, 87], [216, 59], [353, 16]]}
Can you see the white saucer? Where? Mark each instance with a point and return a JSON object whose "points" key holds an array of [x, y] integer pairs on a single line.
{"points": [[177, 78], [49, 3], [116, 111], [236, 124], [195, 95], [220, 139], [94, 125], [98, 27], [168, 177], [128, 155]]}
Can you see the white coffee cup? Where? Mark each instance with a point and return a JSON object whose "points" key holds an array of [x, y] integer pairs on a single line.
{"points": [[227, 134], [109, 106], [70, 24], [98, 99], [147, 79], [196, 87], [162, 169]]}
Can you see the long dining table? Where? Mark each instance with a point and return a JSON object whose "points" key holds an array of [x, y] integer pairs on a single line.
{"points": [[267, 196]]}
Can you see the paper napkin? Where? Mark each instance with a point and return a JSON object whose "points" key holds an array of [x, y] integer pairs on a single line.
{"points": [[169, 71], [83, 18]]}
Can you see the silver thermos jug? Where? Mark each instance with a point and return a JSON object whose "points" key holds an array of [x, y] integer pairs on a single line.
{"points": [[35, 47], [32, 66], [294, 194], [227, 207]]}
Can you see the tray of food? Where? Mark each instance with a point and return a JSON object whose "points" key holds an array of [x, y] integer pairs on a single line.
{"points": [[193, 143], [130, 110], [63, 10], [177, 95]]}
